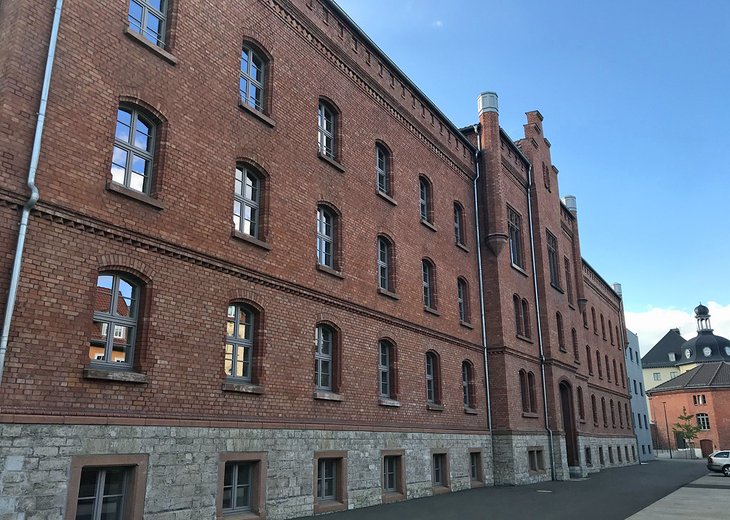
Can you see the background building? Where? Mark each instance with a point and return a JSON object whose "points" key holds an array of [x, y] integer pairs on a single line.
{"points": [[252, 282], [660, 363], [639, 406]]}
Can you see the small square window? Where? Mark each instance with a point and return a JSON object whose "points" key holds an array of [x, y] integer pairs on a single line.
{"points": [[107, 486], [440, 472], [330, 481], [241, 485], [476, 468], [393, 476], [536, 459]]}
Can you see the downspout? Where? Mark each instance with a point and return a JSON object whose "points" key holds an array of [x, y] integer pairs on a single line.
{"points": [[539, 323], [34, 194], [481, 282]]}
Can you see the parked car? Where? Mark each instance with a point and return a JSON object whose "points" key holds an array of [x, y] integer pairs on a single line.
{"points": [[719, 461]]}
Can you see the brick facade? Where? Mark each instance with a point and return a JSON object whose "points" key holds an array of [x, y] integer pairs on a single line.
{"points": [[178, 243]]}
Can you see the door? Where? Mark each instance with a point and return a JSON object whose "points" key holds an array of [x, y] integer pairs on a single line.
{"points": [[706, 447], [571, 438]]}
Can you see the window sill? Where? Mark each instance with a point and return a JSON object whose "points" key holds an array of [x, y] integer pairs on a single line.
{"points": [[330, 271], [386, 197], [571, 305], [332, 162], [390, 497], [144, 42], [242, 387], [329, 506], [390, 403], [477, 484], [248, 515], [576, 361], [470, 411], [387, 293], [122, 376], [463, 247], [257, 114], [435, 407], [440, 490], [324, 395], [520, 270], [524, 338], [557, 288], [429, 225], [251, 240], [582, 421], [431, 310], [530, 415], [139, 197], [466, 324], [563, 349]]}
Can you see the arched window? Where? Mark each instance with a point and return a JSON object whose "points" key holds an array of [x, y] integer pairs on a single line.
{"points": [[615, 373], [561, 334], [326, 236], [533, 391], [459, 233], [116, 312], [433, 378], [252, 78], [327, 130], [524, 392], [595, 323], [462, 295], [514, 221], [240, 336], [382, 170], [247, 201], [467, 383], [610, 331], [598, 363], [585, 318], [595, 410], [425, 199], [626, 410], [618, 338], [608, 369], [603, 327], [590, 360], [603, 409], [623, 380], [429, 284], [517, 302], [613, 415], [526, 318], [134, 145], [325, 358], [386, 265], [574, 339], [620, 416], [581, 407], [386, 370], [149, 18]]}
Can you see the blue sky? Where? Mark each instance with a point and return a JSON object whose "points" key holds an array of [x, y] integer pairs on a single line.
{"points": [[635, 97]]}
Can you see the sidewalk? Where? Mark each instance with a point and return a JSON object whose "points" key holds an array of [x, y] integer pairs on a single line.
{"points": [[707, 497]]}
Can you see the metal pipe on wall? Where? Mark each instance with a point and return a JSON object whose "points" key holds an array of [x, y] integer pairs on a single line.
{"points": [[34, 194]]}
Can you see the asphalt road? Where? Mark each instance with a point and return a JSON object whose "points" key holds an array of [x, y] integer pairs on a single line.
{"points": [[612, 494]]}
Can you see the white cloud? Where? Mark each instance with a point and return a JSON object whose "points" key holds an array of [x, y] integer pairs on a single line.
{"points": [[653, 324], [438, 24]]}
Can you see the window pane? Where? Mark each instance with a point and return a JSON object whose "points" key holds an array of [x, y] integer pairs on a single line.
{"points": [[136, 182], [98, 340], [121, 347], [142, 136], [135, 15], [257, 68], [126, 299], [85, 509], [111, 508], [154, 28], [119, 164], [87, 484], [114, 481], [103, 298], [124, 121], [155, 4]]}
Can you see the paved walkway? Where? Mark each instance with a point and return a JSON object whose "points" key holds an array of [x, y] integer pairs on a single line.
{"points": [[613, 494], [707, 497]]}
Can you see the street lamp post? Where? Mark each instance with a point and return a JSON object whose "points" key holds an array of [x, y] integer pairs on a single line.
{"points": [[669, 440]]}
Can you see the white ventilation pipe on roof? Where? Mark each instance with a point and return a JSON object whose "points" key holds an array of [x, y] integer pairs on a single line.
{"points": [[34, 194]]}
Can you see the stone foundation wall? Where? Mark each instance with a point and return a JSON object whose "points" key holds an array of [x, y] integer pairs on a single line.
{"points": [[182, 480], [511, 458], [615, 443]]}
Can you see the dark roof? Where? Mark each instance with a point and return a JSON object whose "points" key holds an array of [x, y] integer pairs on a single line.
{"points": [[704, 348], [658, 356], [706, 375]]}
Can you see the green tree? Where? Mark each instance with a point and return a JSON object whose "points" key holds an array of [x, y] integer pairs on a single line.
{"points": [[686, 428]]}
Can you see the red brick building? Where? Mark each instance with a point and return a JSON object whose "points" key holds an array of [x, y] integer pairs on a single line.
{"points": [[251, 283]]}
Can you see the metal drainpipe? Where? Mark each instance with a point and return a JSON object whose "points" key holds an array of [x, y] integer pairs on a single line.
{"points": [[34, 194], [481, 284], [539, 323]]}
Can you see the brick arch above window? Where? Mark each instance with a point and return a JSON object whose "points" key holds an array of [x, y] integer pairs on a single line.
{"points": [[246, 296], [128, 264], [156, 110]]}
